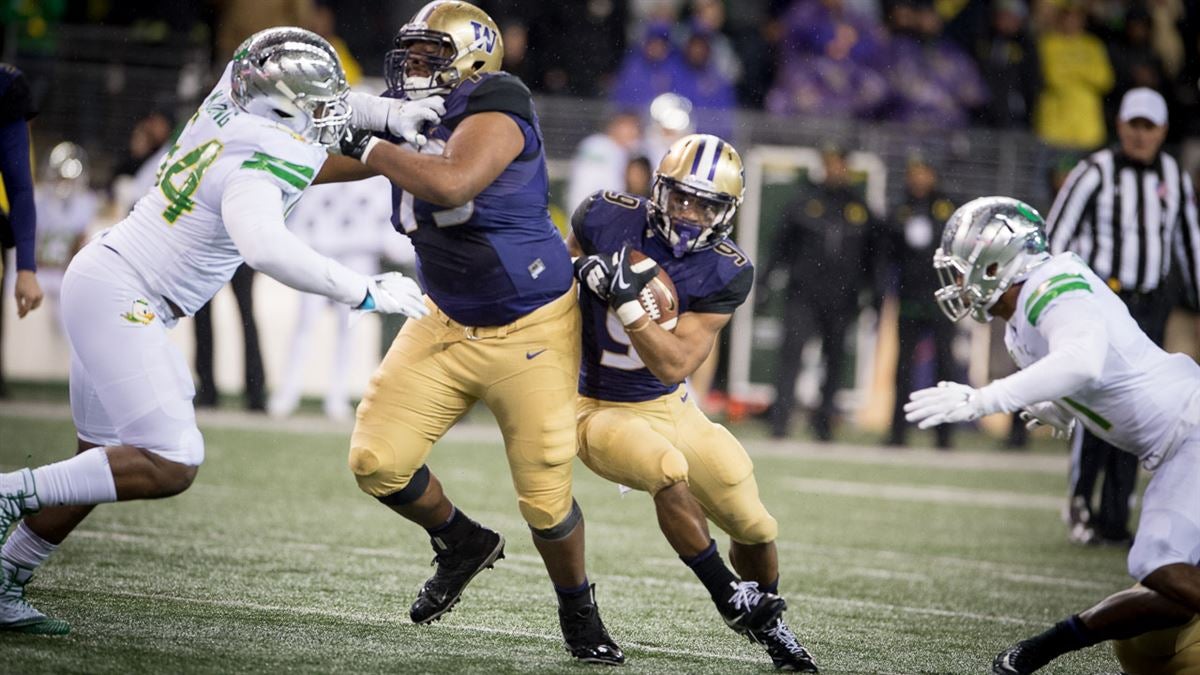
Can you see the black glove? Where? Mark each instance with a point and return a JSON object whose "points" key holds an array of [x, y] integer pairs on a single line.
{"points": [[595, 272], [627, 282], [354, 143]]}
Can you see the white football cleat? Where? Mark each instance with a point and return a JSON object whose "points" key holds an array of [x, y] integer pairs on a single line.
{"points": [[16, 614]]}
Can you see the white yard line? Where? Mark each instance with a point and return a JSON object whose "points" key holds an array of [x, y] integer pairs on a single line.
{"points": [[486, 432], [928, 494]]}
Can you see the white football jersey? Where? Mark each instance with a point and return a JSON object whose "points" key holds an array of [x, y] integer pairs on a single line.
{"points": [[175, 238], [1146, 401]]}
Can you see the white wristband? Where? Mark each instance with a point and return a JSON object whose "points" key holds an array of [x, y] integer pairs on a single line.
{"points": [[630, 312], [370, 146]]}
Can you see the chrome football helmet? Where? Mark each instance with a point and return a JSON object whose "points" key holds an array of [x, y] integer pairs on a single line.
{"points": [[468, 44], [697, 189], [988, 245], [293, 76]]}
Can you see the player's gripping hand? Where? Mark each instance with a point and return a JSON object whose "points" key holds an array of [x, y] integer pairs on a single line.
{"points": [[403, 119], [628, 280], [394, 293], [1049, 414], [946, 403], [357, 144], [595, 272]]}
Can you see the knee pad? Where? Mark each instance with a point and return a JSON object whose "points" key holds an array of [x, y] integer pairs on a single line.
{"points": [[761, 529], [380, 468], [625, 448], [564, 528]]}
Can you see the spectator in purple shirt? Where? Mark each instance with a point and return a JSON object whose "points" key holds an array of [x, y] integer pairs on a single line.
{"points": [[705, 85], [653, 68], [829, 62], [934, 82]]}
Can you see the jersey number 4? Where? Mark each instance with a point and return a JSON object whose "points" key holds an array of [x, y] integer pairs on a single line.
{"points": [[179, 180]]}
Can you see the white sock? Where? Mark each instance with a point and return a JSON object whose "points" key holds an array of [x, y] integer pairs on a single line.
{"points": [[84, 479], [25, 548]]}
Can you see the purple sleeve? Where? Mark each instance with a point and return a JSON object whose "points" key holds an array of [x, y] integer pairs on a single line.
{"points": [[18, 183]]}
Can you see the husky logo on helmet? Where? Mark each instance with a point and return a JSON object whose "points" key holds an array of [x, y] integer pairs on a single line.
{"points": [[697, 189], [293, 76], [444, 43], [988, 245]]}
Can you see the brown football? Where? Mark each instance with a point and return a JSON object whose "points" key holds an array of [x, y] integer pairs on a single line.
{"points": [[658, 298]]}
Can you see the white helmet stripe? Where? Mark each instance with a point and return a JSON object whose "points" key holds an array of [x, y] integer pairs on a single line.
{"points": [[706, 164]]}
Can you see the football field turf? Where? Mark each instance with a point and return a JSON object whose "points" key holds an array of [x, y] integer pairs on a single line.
{"points": [[892, 561]]}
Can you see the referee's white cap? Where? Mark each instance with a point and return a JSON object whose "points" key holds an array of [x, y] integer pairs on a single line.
{"points": [[1145, 103]]}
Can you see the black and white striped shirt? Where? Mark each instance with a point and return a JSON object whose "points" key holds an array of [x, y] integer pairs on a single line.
{"points": [[1128, 221]]}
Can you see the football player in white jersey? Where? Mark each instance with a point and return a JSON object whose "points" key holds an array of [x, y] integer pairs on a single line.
{"points": [[239, 165], [1083, 358]]}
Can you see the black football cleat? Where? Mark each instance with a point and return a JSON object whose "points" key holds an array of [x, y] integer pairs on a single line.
{"points": [[584, 635], [749, 609], [1017, 660], [785, 650], [455, 568]]}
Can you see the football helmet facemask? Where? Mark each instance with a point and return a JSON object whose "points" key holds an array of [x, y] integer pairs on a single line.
{"points": [[989, 244], [445, 43], [293, 76], [697, 189]]}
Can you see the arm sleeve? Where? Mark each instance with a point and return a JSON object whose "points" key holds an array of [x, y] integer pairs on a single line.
{"points": [[18, 182], [1071, 204], [728, 299], [253, 213], [1078, 342]]}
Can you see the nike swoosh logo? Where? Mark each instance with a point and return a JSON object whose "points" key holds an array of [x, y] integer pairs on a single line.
{"points": [[621, 283], [534, 355], [685, 395]]}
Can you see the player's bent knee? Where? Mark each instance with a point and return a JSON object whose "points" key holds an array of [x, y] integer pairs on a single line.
{"points": [[378, 466], [411, 492], [170, 478], [763, 529], [672, 469], [557, 531]]}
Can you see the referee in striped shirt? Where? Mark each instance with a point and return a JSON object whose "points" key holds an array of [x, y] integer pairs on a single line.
{"points": [[1130, 212]]}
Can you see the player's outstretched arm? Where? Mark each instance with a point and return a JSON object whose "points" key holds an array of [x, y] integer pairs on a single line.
{"points": [[478, 151], [252, 210], [1078, 341], [340, 169]]}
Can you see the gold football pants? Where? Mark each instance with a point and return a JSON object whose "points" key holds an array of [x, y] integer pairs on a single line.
{"points": [[1171, 651], [525, 372], [650, 445]]}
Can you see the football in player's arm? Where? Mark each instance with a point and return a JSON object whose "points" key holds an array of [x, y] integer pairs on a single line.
{"points": [[1082, 356], [222, 191], [505, 327], [636, 424]]}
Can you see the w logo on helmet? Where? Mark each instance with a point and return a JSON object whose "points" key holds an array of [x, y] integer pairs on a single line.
{"points": [[485, 35]]}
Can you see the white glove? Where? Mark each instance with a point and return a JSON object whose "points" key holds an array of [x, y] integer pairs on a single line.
{"points": [[1049, 414], [403, 119], [394, 293], [946, 403]]}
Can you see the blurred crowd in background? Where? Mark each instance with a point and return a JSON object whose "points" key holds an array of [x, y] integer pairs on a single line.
{"points": [[1050, 70]]}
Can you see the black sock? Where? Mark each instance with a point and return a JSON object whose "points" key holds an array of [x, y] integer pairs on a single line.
{"points": [[450, 533], [1067, 635], [574, 598], [712, 572], [772, 587]]}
